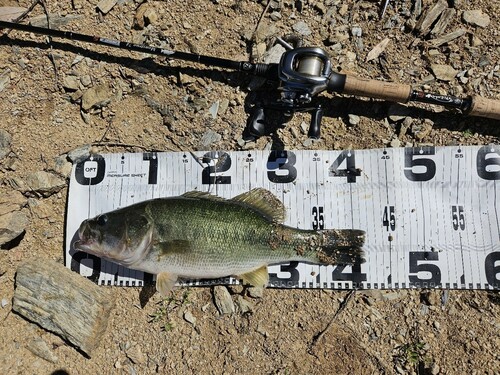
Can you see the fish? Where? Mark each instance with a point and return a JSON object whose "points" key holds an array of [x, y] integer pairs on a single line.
{"points": [[202, 236]]}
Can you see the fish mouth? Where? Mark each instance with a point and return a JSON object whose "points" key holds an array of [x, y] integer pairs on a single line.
{"points": [[85, 246]]}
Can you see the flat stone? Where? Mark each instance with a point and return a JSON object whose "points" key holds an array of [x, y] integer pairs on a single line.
{"points": [[444, 72], [302, 28], [56, 21], [11, 201], [106, 5], [40, 348], [12, 225], [4, 79], [476, 17], [96, 97], [44, 183], [214, 109], [189, 317], [71, 83], [9, 14], [223, 300], [447, 38], [5, 141], [80, 153], [427, 20], [208, 138], [255, 292]]}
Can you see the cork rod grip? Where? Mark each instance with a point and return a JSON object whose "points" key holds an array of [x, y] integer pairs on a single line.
{"points": [[391, 91], [483, 107]]}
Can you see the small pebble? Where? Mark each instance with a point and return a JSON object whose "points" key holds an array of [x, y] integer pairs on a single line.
{"points": [[189, 317], [354, 119]]}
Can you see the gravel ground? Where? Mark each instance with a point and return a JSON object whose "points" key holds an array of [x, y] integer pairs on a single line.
{"points": [[56, 97]]}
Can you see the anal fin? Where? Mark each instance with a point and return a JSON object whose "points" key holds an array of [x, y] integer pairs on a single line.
{"points": [[258, 277], [165, 283]]}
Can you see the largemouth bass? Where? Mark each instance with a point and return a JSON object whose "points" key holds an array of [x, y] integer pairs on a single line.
{"points": [[201, 236]]}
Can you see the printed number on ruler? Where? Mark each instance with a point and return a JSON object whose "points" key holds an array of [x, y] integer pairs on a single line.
{"points": [[420, 165]]}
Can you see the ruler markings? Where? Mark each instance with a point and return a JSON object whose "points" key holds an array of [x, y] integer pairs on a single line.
{"points": [[430, 206]]}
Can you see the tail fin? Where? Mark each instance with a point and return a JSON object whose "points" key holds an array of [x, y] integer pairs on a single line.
{"points": [[342, 246]]}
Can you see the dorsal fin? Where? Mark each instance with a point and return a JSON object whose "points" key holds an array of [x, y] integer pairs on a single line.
{"points": [[263, 201], [201, 195]]}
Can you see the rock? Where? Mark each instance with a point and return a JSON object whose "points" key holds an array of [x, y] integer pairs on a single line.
{"points": [[446, 17], [145, 15], [79, 154], [420, 131], [62, 166], [302, 28], [243, 305], [447, 38], [106, 5], [96, 97], [9, 14], [378, 50], [44, 183], [5, 141], [354, 119], [199, 104], [61, 301], [432, 14], [223, 300], [444, 72], [56, 21], [11, 201], [4, 79], [5, 302], [356, 31], [86, 80], [255, 292], [264, 31], [189, 317], [12, 225], [223, 105], [208, 138], [40, 348], [135, 354], [476, 17], [71, 83], [214, 109], [405, 126], [396, 143]]}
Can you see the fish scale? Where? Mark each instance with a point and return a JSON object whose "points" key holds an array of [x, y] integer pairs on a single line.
{"points": [[201, 236]]}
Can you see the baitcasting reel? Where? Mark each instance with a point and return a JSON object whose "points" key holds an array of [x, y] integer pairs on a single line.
{"points": [[303, 73]]}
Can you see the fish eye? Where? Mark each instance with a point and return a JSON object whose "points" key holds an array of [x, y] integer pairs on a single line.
{"points": [[102, 220]]}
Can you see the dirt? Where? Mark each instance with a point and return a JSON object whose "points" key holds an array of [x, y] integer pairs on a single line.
{"points": [[155, 104]]}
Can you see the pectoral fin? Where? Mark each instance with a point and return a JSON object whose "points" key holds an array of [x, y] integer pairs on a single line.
{"points": [[258, 277], [165, 282]]}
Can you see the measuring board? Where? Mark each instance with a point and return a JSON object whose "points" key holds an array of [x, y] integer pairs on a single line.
{"points": [[431, 214]]}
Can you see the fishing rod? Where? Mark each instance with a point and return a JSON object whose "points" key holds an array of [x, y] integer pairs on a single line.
{"points": [[301, 74]]}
